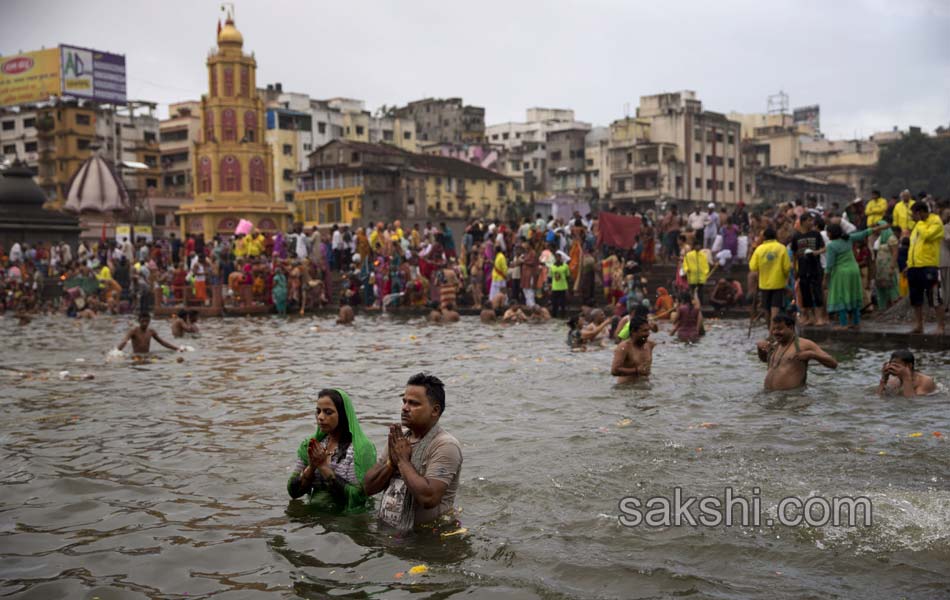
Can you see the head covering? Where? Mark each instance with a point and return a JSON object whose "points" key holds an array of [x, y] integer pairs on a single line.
{"points": [[661, 291], [711, 205], [364, 455]]}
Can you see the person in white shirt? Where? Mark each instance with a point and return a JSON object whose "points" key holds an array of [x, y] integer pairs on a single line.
{"points": [[16, 253], [696, 220], [336, 246], [712, 226]]}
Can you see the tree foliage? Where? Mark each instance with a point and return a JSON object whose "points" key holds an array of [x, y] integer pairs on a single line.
{"points": [[916, 162]]}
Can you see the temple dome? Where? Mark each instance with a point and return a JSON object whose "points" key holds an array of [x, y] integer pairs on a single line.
{"points": [[229, 34], [96, 188]]}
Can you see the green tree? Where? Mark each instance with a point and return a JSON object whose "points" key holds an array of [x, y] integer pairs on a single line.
{"points": [[915, 162]]}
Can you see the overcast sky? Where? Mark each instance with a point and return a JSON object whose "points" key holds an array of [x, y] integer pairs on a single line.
{"points": [[870, 64]]}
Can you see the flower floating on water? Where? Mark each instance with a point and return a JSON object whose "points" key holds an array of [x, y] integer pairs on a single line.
{"points": [[418, 570], [624, 422], [916, 434], [937, 434]]}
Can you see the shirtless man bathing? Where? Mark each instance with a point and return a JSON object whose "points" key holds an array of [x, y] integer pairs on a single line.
{"points": [[900, 378], [787, 355], [633, 357], [142, 336]]}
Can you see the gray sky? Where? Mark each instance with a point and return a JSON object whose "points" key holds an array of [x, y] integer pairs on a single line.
{"points": [[870, 64]]}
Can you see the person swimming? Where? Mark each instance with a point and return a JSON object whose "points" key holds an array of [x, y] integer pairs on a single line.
{"points": [[899, 377], [633, 357]]}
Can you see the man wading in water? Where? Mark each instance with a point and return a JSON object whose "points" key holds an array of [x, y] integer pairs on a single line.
{"points": [[633, 357], [788, 355], [142, 335], [419, 469]]}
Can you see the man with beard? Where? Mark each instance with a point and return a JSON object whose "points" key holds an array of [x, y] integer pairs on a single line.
{"points": [[633, 357], [787, 355]]}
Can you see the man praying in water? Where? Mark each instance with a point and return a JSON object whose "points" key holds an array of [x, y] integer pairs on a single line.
{"points": [[142, 336], [899, 378], [787, 355], [419, 470]]}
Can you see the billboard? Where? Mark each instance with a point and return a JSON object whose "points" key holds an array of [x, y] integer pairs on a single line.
{"points": [[808, 115], [62, 71], [29, 77], [92, 75]]}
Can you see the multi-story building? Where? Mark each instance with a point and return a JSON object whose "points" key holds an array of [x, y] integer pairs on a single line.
{"points": [[233, 165], [691, 155], [289, 134], [850, 162], [350, 181], [526, 156], [445, 120], [138, 151], [597, 162], [66, 134], [18, 136], [566, 164], [178, 135]]}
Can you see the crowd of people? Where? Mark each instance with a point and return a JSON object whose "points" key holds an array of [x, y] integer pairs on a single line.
{"points": [[803, 258]]}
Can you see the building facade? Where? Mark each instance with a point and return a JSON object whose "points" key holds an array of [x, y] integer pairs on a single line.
{"points": [[233, 163], [350, 182], [445, 120], [18, 137]]}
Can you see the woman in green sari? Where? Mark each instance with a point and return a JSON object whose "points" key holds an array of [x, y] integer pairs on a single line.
{"points": [[332, 463], [845, 291]]}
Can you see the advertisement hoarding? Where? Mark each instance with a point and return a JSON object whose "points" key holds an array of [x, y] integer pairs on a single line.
{"points": [[92, 74], [29, 77]]}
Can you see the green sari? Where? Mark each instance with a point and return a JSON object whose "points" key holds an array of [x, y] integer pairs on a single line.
{"points": [[845, 290], [364, 457]]}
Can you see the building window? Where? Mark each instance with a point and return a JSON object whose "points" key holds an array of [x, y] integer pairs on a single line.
{"points": [[228, 81], [9, 125], [288, 150], [204, 175], [230, 174], [310, 210], [556, 155], [732, 186], [83, 119], [209, 126], [748, 188], [387, 135], [214, 81], [732, 163], [245, 81], [698, 157], [288, 175], [698, 183], [29, 122], [321, 127], [731, 139], [228, 125], [407, 135], [307, 147], [257, 174], [288, 196], [621, 185], [151, 183], [151, 160], [359, 130], [719, 137], [9, 149], [709, 184], [82, 144], [250, 125], [502, 191], [698, 134], [29, 147], [355, 157], [160, 220]]}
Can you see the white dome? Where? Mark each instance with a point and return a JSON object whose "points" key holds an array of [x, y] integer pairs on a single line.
{"points": [[96, 188]]}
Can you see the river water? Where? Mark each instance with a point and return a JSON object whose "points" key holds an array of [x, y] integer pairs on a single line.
{"points": [[165, 479]]}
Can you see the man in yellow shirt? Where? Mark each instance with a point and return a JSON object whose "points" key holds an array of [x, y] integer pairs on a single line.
{"points": [[923, 259], [875, 208], [902, 213], [499, 276], [696, 267], [240, 247], [771, 263]]}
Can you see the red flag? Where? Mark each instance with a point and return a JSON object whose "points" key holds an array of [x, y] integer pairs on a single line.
{"points": [[617, 230]]}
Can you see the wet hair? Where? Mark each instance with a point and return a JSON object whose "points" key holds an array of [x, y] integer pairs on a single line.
{"points": [[785, 318], [636, 322], [905, 356], [769, 233], [343, 422], [641, 311], [686, 298], [835, 232], [435, 389], [145, 315]]}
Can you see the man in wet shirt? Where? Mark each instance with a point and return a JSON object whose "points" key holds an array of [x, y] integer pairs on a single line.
{"points": [[419, 470]]}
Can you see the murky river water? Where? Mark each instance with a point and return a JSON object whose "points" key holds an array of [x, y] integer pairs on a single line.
{"points": [[168, 479]]}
